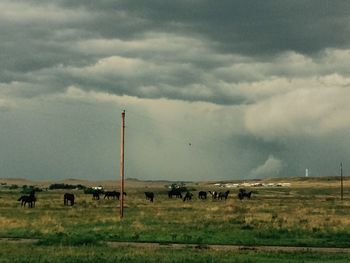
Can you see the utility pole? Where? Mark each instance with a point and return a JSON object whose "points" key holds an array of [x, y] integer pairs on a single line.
{"points": [[122, 166], [341, 181]]}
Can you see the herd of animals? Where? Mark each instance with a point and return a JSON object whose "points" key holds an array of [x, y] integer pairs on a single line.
{"points": [[68, 198]]}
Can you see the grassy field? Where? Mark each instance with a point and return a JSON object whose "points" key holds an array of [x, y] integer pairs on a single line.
{"points": [[309, 213], [91, 254]]}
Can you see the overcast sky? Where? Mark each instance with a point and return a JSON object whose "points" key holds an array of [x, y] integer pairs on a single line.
{"points": [[212, 89]]}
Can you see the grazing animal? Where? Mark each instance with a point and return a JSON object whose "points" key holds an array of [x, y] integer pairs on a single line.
{"points": [[149, 196], [68, 199], [27, 199], [95, 195], [241, 190], [202, 195], [243, 193], [175, 192], [112, 194], [222, 195], [214, 194], [188, 196]]}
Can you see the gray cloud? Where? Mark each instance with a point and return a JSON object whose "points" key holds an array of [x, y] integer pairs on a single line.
{"points": [[257, 84], [213, 47], [250, 27]]}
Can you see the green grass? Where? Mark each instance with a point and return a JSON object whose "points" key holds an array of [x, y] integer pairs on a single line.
{"points": [[39, 254]]}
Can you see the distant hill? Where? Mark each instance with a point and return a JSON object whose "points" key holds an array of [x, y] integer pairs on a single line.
{"points": [[138, 183]]}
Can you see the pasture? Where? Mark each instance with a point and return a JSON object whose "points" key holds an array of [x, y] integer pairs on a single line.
{"points": [[309, 213]]}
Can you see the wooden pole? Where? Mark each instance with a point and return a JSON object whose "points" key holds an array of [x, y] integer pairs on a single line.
{"points": [[341, 181], [122, 166]]}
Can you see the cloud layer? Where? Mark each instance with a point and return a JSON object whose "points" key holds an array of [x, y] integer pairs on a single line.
{"points": [[252, 85]]}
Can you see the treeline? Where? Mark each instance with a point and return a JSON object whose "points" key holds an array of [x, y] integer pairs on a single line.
{"points": [[67, 186]]}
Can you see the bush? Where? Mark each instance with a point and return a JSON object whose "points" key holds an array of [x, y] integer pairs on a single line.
{"points": [[66, 186], [28, 189]]}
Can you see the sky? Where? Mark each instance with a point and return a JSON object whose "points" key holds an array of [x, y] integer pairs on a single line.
{"points": [[213, 90]]}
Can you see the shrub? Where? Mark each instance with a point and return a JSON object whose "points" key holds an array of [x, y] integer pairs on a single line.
{"points": [[66, 186], [28, 189]]}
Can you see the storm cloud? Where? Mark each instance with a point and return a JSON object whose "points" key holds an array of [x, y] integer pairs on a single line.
{"points": [[225, 90]]}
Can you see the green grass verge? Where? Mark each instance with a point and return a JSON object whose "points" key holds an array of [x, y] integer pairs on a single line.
{"points": [[11, 253]]}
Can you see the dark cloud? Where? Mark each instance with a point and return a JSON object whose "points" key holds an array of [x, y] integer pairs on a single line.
{"points": [[260, 85], [227, 42], [251, 27]]}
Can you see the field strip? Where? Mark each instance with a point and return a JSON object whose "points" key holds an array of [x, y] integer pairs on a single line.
{"points": [[154, 245], [230, 247]]}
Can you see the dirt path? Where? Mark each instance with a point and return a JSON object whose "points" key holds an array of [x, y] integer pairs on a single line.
{"points": [[275, 249]]}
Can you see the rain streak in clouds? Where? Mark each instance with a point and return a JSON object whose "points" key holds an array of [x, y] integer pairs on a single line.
{"points": [[229, 90]]}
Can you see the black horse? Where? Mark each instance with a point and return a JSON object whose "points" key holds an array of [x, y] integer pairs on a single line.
{"points": [[149, 196], [96, 195], [175, 192], [202, 195], [243, 193], [68, 198], [112, 194], [224, 195], [188, 196], [30, 199]]}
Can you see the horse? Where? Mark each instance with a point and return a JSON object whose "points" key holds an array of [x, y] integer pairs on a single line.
{"points": [[68, 197], [241, 190], [222, 195], [214, 194], [188, 196], [243, 193], [27, 199], [175, 192], [113, 194], [95, 195], [202, 195], [149, 196]]}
